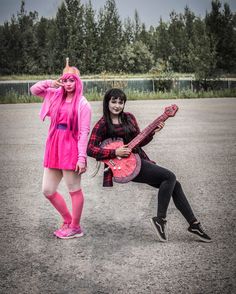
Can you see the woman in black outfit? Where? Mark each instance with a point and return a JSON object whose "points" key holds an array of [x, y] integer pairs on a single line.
{"points": [[115, 123]]}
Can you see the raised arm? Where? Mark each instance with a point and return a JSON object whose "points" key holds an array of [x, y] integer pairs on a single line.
{"points": [[41, 88]]}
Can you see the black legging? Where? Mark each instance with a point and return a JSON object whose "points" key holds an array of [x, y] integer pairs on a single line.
{"points": [[165, 180]]}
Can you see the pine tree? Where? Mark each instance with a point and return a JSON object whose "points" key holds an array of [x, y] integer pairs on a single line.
{"points": [[42, 34], [91, 41], [163, 47], [137, 25], [221, 26], [178, 43], [227, 48], [27, 47], [128, 31], [202, 54], [60, 38], [10, 47], [110, 35], [75, 24]]}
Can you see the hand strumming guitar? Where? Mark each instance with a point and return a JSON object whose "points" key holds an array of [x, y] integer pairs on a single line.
{"points": [[123, 151]]}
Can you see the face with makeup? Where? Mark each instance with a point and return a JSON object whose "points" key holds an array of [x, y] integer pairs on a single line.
{"points": [[116, 106], [69, 84]]}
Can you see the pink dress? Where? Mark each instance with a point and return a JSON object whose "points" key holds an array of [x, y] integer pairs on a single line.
{"points": [[61, 148]]}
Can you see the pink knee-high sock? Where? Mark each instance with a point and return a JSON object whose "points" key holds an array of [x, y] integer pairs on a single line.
{"points": [[59, 203], [77, 199]]}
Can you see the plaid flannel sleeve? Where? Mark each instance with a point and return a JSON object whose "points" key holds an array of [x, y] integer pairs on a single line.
{"points": [[97, 136]]}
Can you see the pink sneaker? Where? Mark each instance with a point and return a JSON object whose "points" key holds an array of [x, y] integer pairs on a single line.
{"points": [[63, 227], [70, 233]]}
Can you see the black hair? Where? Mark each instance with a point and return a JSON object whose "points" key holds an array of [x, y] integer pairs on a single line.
{"points": [[128, 127]]}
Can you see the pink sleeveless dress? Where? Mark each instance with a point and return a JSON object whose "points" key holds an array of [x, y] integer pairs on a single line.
{"points": [[61, 150]]}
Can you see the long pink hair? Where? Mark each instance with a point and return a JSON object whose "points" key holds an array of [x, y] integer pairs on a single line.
{"points": [[59, 98]]}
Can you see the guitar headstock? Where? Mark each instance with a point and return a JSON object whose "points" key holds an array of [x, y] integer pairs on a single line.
{"points": [[171, 110]]}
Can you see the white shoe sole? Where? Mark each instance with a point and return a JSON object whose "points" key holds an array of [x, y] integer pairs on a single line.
{"points": [[199, 237], [157, 233], [71, 237]]}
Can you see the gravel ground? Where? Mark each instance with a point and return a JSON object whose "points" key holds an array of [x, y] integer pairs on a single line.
{"points": [[120, 253]]}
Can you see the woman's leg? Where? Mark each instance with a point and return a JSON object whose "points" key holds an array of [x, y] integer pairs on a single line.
{"points": [[182, 203], [165, 180], [161, 178], [184, 207], [51, 180], [73, 182]]}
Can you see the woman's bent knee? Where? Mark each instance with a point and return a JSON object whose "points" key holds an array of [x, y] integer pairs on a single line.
{"points": [[74, 187], [48, 192], [178, 185], [172, 177]]}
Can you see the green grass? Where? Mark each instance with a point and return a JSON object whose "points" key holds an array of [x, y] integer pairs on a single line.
{"points": [[184, 94], [101, 76], [13, 97], [108, 75]]}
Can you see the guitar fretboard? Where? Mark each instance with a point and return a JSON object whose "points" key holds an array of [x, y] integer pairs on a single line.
{"points": [[147, 131]]}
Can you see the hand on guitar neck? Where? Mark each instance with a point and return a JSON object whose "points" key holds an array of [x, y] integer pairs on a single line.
{"points": [[124, 151], [159, 127]]}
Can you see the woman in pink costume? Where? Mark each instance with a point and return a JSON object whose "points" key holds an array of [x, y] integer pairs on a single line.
{"points": [[65, 153]]}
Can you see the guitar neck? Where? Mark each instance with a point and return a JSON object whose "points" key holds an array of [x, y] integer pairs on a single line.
{"points": [[147, 131]]}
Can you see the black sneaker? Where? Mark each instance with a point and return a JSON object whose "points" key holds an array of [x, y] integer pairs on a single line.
{"points": [[159, 224], [197, 230]]}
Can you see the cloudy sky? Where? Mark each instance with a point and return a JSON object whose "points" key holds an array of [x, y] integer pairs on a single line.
{"points": [[149, 11]]}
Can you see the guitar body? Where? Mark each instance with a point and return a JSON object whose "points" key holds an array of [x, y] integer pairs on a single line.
{"points": [[123, 169]]}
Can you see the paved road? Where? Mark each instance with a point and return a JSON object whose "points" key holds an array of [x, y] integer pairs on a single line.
{"points": [[120, 253]]}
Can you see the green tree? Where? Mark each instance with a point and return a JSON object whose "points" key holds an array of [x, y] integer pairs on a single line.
{"points": [[202, 53], [137, 25], [91, 41], [220, 24], [227, 50], [60, 38], [27, 47], [42, 35], [9, 47], [110, 35], [163, 46], [189, 18], [75, 24], [178, 43], [144, 36], [128, 31], [136, 58]]}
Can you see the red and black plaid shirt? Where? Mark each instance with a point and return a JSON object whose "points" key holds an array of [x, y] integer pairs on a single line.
{"points": [[100, 133]]}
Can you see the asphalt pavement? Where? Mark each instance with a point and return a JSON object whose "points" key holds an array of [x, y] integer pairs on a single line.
{"points": [[120, 252]]}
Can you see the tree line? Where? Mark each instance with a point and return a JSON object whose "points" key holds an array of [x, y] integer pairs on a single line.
{"points": [[100, 41]]}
